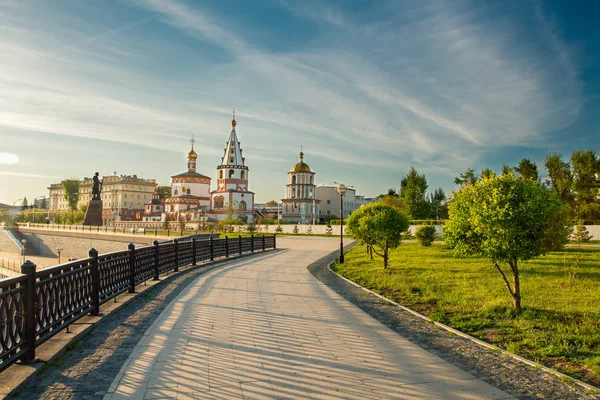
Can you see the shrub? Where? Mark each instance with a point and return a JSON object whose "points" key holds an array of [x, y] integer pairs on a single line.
{"points": [[425, 234], [581, 233], [296, 230], [251, 228], [279, 229]]}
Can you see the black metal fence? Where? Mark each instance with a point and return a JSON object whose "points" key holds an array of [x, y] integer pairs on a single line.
{"points": [[38, 304]]}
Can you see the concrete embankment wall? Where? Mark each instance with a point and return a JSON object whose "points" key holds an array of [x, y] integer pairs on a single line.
{"points": [[8, 242]]}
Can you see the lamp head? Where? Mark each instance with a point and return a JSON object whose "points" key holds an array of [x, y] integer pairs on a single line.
{"points": [[342, 189]]}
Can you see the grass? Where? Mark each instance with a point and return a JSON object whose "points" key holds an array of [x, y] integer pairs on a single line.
{"points": [[559, 325]]}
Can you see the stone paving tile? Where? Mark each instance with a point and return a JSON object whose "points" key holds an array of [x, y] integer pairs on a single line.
{"points": [[269, 330]]}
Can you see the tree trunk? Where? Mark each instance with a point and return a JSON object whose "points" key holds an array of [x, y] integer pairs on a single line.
{"points": [[370, 251], [516, 294], [385, 256]]}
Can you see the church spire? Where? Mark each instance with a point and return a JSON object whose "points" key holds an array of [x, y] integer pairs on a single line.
{"points": [[233, 151], [192, 157], [233, 123]]}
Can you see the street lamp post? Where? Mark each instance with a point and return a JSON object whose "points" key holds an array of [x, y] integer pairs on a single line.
{"points": [[58, 250], [24, 242], [341, 189]]}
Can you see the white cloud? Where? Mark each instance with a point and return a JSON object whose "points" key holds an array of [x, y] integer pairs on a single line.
{"points": [[8, 158]]}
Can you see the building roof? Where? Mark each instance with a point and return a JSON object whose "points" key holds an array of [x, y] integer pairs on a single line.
{"points": [[301, 166], [190, 174], [233, 151]]}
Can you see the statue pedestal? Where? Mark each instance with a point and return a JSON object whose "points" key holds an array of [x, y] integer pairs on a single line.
{"points": [[93, 215]]}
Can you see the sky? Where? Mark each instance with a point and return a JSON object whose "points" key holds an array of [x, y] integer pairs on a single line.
{"points": [[368, 88]]}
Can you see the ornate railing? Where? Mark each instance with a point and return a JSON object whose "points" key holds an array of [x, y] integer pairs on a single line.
{"points": [[38, 304]]}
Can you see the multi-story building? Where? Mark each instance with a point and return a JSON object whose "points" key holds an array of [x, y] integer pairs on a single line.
{"points": [[330, 201], [300, 204], [57, 202], [123, 197], [153, 210]]}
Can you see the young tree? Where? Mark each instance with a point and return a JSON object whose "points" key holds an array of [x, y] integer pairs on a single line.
{"points": [[163, 192], [437, 204], [378, 226], [527, 169], [505, 219], [560, 176], [271, 203], [425, 234], [412, 190], [466, 178], [585, 184], [71, 192]]}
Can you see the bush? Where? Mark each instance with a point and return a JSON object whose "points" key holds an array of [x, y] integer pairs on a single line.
{"points": [[426, 234], [279, 229], [251, 228]]}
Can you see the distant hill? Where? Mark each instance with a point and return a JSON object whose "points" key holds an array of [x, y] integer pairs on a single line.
{"points": [[2, 205]]}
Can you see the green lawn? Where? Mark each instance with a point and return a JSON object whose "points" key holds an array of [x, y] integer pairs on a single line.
{"points": [[559, 325]]}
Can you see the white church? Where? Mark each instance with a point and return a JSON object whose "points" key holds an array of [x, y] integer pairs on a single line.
{"points": [[191, 196]]}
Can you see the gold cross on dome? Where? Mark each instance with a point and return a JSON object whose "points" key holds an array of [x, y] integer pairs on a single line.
{"points": [[192, 142]]}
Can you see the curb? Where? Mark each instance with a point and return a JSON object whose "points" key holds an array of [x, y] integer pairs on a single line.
{"points": [[469, 337]]}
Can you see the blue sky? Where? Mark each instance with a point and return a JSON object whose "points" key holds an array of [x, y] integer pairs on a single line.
{"points": [[368, 88]]}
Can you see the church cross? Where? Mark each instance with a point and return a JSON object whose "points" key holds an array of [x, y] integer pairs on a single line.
{"points": [[192, 142]]}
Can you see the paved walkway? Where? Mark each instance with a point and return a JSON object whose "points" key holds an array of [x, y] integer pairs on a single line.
{"points": [[267, 328]]}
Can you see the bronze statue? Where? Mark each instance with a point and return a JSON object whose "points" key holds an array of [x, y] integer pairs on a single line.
{"points": [[96, 187]]}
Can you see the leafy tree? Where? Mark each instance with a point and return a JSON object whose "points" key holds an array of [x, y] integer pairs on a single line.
{"points": [[527, 169], [71, 192], [24, 204], [506, 170], [581, 233], [437, 204], [585, 184], [425, 234], [165, 224], [251, 228], [487, 173], [181, 223], [379, 226], [412, 190], [395, 201], [505, 219], [271, 203], [560, 176], [163, 192], [466, 178]]}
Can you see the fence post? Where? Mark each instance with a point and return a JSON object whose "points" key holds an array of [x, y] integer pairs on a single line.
{"points": [[176, 255], [274, 241], [95, 282], [28, 268], [263, 242], [212, 249], [226, 246], [131, 248], [156, 266], [193, 251], [240, 243], [252, 243]]}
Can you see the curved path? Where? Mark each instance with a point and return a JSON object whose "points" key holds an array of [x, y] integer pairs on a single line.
{"points": [[266, 328]]}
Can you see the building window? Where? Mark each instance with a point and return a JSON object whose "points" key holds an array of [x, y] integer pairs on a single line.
{"points": [[311, 180], [243, 174], [293, 193], [221, 174], [328, 212], [328, 202], [293, 179], [231, 172], [219, 202], [188, 191], [242, 205], [231, 160], [175, 193]]}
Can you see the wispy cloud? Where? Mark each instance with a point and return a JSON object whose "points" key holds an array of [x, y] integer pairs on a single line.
{"points": [[28, 175], [8, 158]]}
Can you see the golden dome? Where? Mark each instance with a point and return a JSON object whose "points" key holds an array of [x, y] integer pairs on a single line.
{"points": [[233, 123], [192, 155], [301, 167]]}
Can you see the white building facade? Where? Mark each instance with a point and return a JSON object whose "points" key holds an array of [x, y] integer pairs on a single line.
{"points": [[300, 204], [232, 198]]}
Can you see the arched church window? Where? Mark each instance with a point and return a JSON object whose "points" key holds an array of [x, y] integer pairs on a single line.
{"points": [[293, 193], [188, 191], [293, 179], [175, 192], [231, 160], [231, 172], [243, 174], [306, 193], [219, 202], [242, 205], [221, 174], [311, 180]]}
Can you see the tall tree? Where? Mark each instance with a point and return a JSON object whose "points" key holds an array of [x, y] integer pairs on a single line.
{"points": [[71, 192], [271, 203], [507, 220], [506, 170], [24, 204], [163, 192], [560, 176], [527, 169], [412, 190], [586, 168], [396, 202], [437, 204], [466, 178], [487, 173]]}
